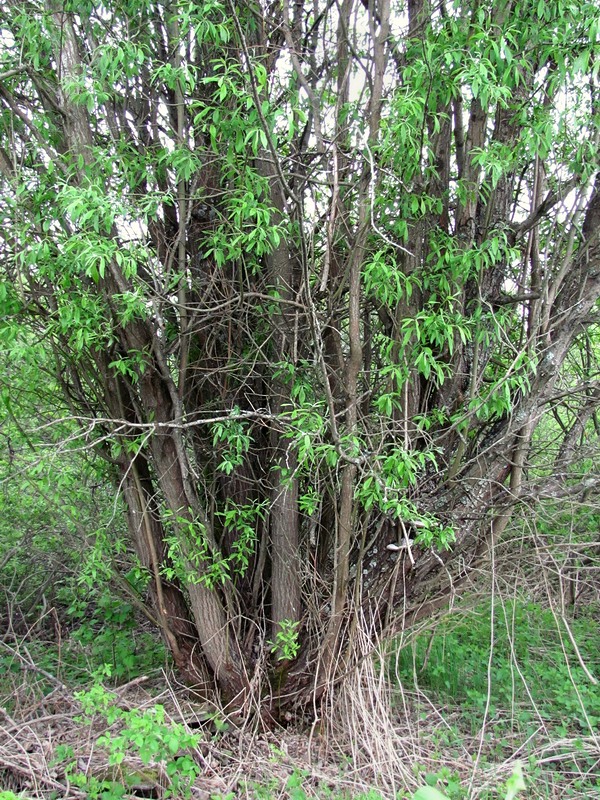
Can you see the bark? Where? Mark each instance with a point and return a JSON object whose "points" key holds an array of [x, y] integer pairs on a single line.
{"points": [[167, 598], [285, 578]]}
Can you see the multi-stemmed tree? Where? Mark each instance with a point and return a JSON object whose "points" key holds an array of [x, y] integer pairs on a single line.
{"points": [[310, 276]]}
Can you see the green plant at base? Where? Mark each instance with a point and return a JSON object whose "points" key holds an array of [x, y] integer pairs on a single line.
{"points": [[11, 796], [286, 644], [148, 735]]}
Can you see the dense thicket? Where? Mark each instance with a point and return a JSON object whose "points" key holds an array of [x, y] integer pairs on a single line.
{"points": [[308, 276]]}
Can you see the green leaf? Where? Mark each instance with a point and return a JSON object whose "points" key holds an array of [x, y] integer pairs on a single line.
{"points": [[429, 793], [516, 782]]}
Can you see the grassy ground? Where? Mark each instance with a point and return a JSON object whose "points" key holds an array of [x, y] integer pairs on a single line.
{"points": [[513, 681], [453, 712]]}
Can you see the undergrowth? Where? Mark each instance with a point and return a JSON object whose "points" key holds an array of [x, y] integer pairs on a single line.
{"points": [[517, 678], [528, 667], [98, 632], [512, 681]]}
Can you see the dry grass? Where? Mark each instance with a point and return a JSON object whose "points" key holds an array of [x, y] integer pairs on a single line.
{"points": [[369, 737]]}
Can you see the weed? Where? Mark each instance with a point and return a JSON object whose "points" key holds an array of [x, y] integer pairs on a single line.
{"points": [[146, 734]]}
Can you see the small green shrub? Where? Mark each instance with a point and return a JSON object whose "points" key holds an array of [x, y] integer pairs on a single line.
{"points": [[144, 734]]}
